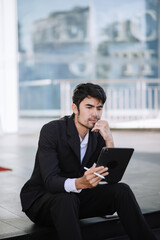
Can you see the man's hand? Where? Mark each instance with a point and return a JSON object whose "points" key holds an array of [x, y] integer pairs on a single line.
{"points": [[102, 127], [89, 179]]}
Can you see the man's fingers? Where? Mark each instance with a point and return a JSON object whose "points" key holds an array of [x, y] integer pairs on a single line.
{"points": [[104, 170], [95, 129], [94, 182], [96, 169], [99, 125], [99, 169], [91, 176]]}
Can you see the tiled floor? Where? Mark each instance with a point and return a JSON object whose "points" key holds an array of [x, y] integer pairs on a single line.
{"points": [[17, 151]]}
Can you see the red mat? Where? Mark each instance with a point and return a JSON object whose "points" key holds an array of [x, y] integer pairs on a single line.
{"points": [[5, 169]]}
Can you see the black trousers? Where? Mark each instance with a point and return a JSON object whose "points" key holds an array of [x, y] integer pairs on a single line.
{"points": [[63, 210]]}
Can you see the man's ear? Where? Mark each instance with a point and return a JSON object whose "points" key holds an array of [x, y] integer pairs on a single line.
{"points": [[74, 108]]}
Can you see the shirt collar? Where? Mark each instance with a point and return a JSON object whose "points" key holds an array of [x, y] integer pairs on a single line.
{"points": [[85, 140]]}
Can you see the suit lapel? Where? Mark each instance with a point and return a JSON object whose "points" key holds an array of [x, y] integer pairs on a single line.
{"points": [[73, 137], [92, 144], [74, 141]]}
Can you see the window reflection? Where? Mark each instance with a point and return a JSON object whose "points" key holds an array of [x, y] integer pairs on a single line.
{"points": [[81, 41]]}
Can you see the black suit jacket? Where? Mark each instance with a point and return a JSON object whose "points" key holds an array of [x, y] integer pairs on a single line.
{"points": [[58, 158]]}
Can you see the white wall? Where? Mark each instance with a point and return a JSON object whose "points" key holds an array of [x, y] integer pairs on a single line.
{"points": [[8, 67]]}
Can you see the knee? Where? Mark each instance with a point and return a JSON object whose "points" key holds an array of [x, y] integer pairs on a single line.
{"points": [[124, 190], [124, 187]]}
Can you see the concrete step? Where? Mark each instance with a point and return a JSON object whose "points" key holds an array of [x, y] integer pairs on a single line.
{"points": [[98, 228]]}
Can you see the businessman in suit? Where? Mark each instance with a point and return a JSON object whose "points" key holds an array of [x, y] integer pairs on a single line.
{"points": [[60, 191]]}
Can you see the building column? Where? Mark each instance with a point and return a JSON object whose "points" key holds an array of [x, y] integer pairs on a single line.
{"points": [[8, 67]]}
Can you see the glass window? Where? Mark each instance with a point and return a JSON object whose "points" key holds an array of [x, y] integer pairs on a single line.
{"points": [[82, 41]]}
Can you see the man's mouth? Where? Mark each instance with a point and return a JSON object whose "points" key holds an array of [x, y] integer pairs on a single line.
{"points": [[93, 120]]}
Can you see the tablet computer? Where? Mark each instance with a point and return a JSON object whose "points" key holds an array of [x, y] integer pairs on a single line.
{"points": [[116, 159]]}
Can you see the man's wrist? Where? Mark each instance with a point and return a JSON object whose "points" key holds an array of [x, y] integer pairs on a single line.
{"points": [[109, 142], [79, 184], [70, 185]]}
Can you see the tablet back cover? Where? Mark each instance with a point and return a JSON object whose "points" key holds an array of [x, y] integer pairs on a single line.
{"points": [[116, 159]]}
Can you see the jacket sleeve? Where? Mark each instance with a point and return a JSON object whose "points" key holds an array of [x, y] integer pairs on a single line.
{"points": [[47, 157]]}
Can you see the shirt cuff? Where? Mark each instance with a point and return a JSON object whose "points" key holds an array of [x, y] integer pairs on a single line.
{"points": [[70, 186]]}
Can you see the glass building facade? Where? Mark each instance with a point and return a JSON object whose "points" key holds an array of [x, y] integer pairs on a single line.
{"points": [[115, 43]]}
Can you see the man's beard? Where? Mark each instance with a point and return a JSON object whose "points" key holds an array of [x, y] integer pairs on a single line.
{"points": [[89, 119]]}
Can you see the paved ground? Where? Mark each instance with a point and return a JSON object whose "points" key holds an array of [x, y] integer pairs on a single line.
{"points": [[18, 152]]}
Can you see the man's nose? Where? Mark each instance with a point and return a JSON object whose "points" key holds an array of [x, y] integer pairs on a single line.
{"points": [[95, 112]]}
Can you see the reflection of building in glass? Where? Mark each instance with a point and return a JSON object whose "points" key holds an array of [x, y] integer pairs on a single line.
{"points": [[61, 27], [115, 45], [59, 44], [152, 26], [56, 41], [131, 46]]}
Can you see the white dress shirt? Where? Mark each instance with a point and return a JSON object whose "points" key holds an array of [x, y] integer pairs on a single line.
{"points": [[69, 184]]}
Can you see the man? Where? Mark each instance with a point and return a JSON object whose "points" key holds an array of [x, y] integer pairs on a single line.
{"points": [[60, 191]]}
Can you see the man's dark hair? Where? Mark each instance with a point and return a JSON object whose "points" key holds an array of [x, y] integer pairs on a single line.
{"points": [[84, 90]]}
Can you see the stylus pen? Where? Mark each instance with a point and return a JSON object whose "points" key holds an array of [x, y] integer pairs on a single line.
{"points": [[97, 174]]}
